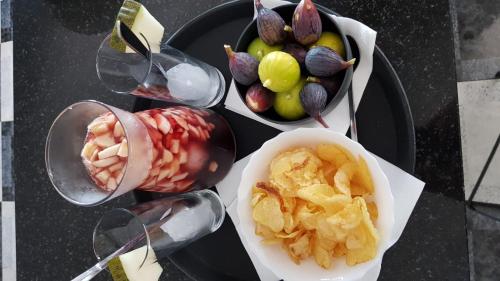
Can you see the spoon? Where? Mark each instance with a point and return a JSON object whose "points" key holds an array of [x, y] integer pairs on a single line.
{"points": [[134, 43]]}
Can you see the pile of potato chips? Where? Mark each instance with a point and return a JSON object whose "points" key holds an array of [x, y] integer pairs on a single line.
{"points": [[318, 203]]}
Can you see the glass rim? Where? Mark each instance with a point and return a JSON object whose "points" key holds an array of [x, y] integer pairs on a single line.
{"points": [[150, 66], [48, 166], [221, 205], [134, 216]]}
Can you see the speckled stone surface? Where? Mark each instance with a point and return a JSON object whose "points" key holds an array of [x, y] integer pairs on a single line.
{"points": [[54, 60], [484, 246]]}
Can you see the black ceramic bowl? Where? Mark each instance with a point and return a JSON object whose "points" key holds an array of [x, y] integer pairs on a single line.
{"points": [[328, 24]]}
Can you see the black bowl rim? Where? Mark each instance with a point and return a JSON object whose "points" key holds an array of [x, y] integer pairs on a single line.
{"points": [[346, 82]]}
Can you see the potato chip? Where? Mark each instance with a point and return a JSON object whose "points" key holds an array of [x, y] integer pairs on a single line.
{"points": [[322, 256], [299, 203], [300, 248], [305, 176], [339, 250], [320, 178], [342, 178], [372, 210], [334, 154], [316, 193], [297, 159], [362, 178], [268, 213], [367, 222], [324, 196], [280, 164], [295, 168], [331, 231], [289, 204], [367, 252], [264, 231], [306, 217], [257, 195], [350, 217], [357, 190], [336, 203], [288, 235], [286, 246], [367, 235], [290, 222], [314, 204], [285, 185], [268, 189], [272, 241], [324, 242], [329, 171], [355, 240]]}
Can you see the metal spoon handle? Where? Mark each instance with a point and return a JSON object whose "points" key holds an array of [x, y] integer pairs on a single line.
{"points": [[132, 41], [90, 273], [352, 115], [98, 267]]}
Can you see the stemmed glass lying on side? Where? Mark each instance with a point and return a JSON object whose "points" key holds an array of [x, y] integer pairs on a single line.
{"points": [[152, 231]]}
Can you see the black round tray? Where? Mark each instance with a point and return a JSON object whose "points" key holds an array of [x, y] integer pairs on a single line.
{"points": [[385, 127]]}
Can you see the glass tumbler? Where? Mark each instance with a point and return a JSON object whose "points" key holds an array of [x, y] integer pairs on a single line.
{"points": [[63, 153], [170, 76], [170, 150], [163, 225]]}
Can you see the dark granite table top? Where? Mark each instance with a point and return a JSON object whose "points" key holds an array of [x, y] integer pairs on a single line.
{"points": [[54, 66]]}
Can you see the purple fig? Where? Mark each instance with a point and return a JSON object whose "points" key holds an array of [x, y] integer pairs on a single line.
{"points": [[259, 98], [297, 51], [271, 26], [322, 61], [243, 66], [306, 23], [313, 98], [331, 84]]}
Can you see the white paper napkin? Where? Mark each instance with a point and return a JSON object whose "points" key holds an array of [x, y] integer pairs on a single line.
{"points": [[406, 189]]}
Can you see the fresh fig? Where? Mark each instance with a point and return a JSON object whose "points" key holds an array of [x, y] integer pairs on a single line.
{"points": [[279, 71], [313, 98], [331, 40], [306, 23], [258, 98], [287, 104], [323, 62], [297, 51], [258, 49], [270, 25], [331, 84], [243, 66]]}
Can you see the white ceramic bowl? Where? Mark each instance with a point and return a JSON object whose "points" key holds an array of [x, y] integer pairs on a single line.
{"points": [[273, 256]]}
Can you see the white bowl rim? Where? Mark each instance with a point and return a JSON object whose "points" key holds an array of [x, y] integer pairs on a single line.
{"points": [[384, 244]]}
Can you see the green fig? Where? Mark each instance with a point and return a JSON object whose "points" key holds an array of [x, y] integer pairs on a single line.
{"points": [[258, 48]]}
